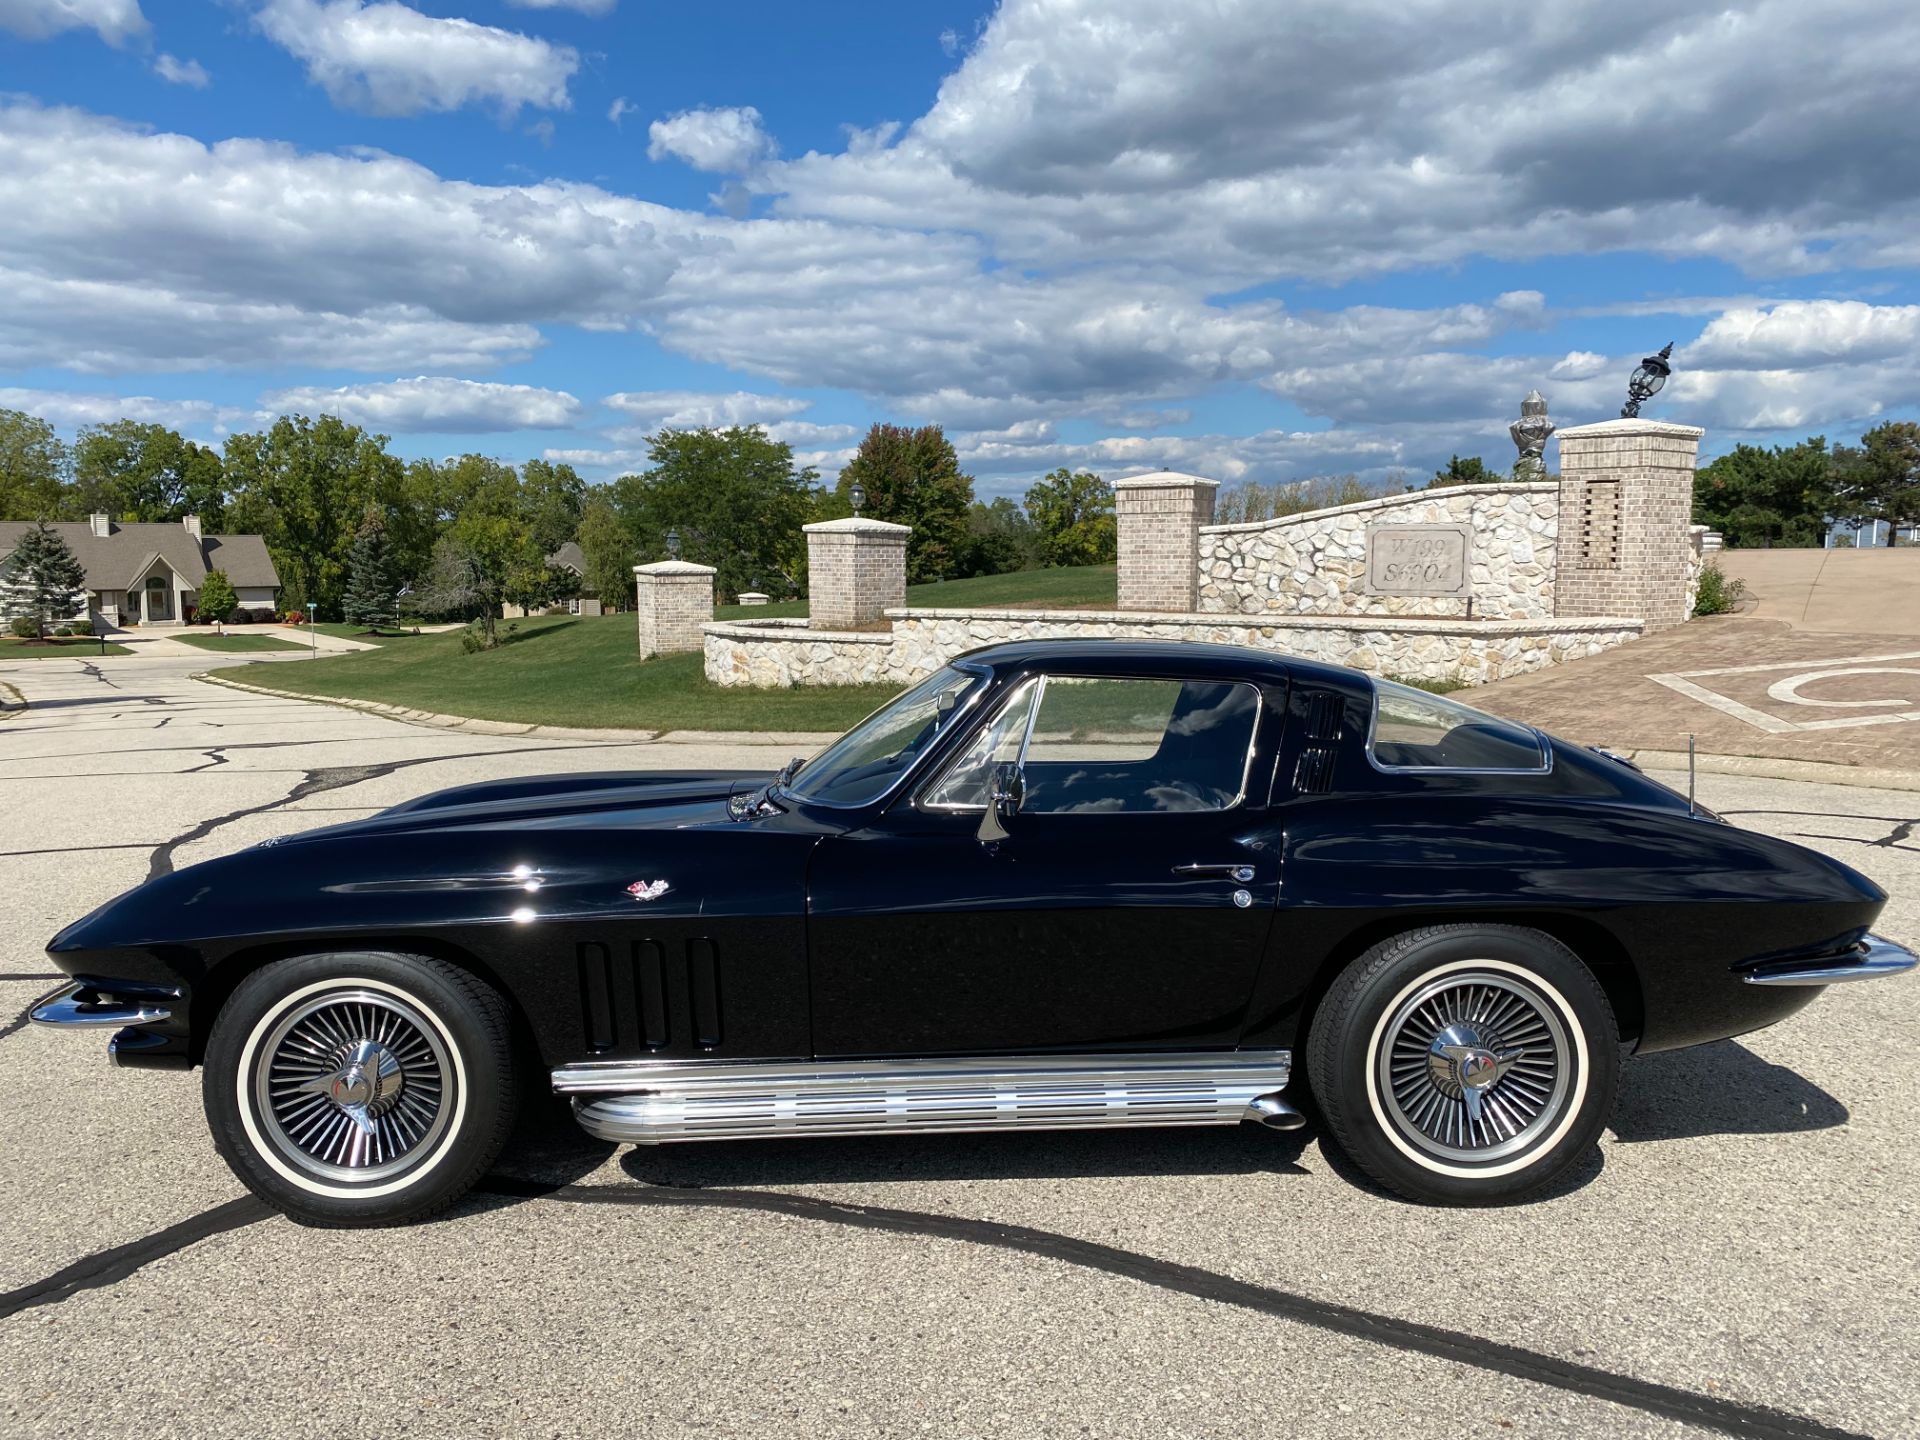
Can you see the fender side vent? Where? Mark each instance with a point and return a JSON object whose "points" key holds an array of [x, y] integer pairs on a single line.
{"points": [[1324, 709]]}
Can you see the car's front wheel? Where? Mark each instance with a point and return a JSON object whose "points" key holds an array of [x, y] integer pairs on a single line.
{"points": [[1465, 1064], [362, 1088]]}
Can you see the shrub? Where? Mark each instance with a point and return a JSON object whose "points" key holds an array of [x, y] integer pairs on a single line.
{"points": [[26, 627], [472, 640], [1717, 594]]}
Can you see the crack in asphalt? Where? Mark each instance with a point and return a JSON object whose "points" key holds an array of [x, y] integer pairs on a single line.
{"points": [[1729, 1417], [88, 668], [316, 781]]}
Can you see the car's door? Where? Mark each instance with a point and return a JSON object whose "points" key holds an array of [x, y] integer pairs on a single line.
{"points": [[1127, 906]]}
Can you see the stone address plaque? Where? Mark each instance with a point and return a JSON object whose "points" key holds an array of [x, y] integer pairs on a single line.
{"points": [[1418, 559]]}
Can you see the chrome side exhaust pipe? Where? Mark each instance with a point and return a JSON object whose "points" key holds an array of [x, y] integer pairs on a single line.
{"points": [[1274, 1113]]}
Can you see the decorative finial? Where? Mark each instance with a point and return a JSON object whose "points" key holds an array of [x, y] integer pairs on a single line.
{"points": [[1530, 434]]}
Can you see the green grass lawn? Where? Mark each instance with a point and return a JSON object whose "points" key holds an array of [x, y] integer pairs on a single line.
{"points": [[565, 671], [232, 643], [583, 671], [55, 648], [1080, 588]]}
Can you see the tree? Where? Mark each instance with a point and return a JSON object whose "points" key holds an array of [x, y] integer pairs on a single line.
{"points": [[489, 554], [1072, 518], [1881, 479], [554, 497], [735, 499], [133, 471], [1251, 501], [304, 484], [44, 580], [33, 467], [1778, 497], [608, 550], [1000, 538], [217, 600], [371, 587], [913, 477], [1471, 471]]}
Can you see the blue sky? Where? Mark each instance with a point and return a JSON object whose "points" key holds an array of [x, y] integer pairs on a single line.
{"points": [[1243, 240]]}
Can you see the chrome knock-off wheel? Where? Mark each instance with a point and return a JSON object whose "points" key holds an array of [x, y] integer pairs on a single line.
{"points": [[1474, 1066], [360, 1087], [352, 1085]]}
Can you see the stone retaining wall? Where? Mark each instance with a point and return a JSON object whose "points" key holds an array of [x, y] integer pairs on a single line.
{"points": [[1316, 563], [781, 653]]}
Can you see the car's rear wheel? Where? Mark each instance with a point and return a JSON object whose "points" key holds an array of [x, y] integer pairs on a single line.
{"points": [[1465, 1064], [364, 1088]]}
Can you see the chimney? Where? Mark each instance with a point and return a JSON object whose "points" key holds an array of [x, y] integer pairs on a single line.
{"points": [[101, 525], [192, 522]]}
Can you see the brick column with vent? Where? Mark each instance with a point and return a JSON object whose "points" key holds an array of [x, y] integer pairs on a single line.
{"points": [[856, 569], [1159, 518], [673, 599], [1626, 511]]}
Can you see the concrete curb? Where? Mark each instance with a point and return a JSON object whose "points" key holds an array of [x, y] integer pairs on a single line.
{"points": [[466, 725], [1768, 767]]}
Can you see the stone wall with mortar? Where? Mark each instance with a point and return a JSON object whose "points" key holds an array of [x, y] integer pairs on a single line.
{"points": [[1316, 563], [777, 654], [1626, 503], [1157, 523], [856, 568], [672, 600]]}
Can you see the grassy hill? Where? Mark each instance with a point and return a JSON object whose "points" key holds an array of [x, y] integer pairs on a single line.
{"points": [[584, 671]]}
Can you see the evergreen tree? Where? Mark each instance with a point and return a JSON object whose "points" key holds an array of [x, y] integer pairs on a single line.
{"points": [[217, 600], [369, 597], [43, 580]]}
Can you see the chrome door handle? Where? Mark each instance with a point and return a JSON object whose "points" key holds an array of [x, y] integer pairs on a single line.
{"points": [[1242, 873]]}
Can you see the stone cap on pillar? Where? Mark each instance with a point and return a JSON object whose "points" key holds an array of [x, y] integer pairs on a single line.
{"points": [[857, 525], [1162, 480], [674, 567], [1602, 429]]}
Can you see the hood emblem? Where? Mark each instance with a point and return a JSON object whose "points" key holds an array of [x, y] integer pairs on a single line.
{"points": [[648, 889]]}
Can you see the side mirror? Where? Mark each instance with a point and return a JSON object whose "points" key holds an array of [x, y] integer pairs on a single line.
{"points": [[1006, 792]]}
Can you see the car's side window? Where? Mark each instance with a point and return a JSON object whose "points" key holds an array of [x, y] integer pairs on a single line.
{"points": [[963, 786], [1112, 746], [1413, 730]]}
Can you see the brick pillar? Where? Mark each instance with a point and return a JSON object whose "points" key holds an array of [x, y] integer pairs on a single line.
{"points": [[1159, 518], [855, 569], [673, 599], [1626, 510]]}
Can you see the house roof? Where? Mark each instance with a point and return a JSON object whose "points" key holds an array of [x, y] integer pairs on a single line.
{"points": [[123, 556], [570, 557]]}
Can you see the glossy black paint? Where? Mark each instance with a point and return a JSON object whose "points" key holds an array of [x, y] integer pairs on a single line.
{"points": [[891, 929]]}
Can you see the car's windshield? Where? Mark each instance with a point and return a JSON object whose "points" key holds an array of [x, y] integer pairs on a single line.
{"points": [[863, 764]]}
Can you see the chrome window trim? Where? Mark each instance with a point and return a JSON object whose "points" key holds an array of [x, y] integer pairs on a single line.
{"points": [[940, 775], [1539, 738], [970, 667], [1033, 716]]}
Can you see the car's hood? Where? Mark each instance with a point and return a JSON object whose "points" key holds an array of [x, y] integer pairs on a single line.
{"points": [[657, 800]]}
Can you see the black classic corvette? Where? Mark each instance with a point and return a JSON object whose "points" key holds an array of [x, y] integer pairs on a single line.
{"points": [[1055, 884]]}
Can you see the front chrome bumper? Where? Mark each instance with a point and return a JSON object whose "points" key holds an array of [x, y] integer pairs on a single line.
{"points": [[85, 1005], [1874, 957]]}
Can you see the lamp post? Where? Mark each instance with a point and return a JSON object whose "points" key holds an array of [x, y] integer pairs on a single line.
{"points": [[1646, 380], [858, 495], [401, 594], [673, 544]]}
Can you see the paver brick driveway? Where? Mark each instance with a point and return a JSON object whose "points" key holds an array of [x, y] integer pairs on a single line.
{"points": [[1738, 1257]]}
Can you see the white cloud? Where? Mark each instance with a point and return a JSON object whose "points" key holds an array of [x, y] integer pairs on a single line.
{"points": [[1806, 334], [174, 71], [70, 409], [652, 410], [585, 7], [388, 59], [950, 42], [435, 402], [725, 141], [807, 433], [620, 107], [115, 21]]}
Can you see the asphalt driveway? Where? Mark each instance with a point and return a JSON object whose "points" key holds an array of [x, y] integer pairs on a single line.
{"points": [[1738, 1256]]}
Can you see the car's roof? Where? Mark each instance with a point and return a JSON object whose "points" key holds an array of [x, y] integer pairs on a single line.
{"points": [[1162, 657]]}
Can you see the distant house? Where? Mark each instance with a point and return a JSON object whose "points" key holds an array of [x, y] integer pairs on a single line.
{"points": [[1867, 534], [150, 574], [568, 557]]}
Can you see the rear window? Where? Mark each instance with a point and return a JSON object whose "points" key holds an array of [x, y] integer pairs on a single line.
{"points": [[1413, 730]]}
